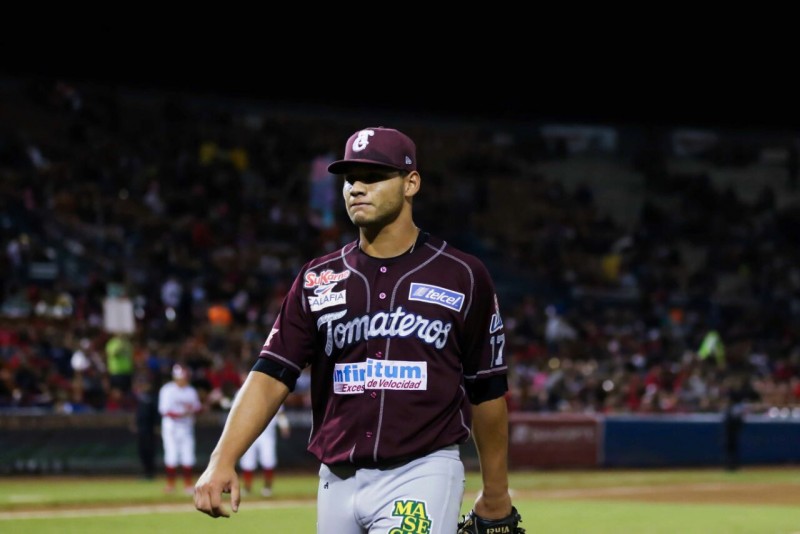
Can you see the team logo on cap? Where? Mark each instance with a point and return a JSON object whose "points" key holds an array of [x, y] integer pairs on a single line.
{"points": [[362, 140]]}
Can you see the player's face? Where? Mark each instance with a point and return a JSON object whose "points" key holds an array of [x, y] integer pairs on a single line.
{"points": [[373, 198]]}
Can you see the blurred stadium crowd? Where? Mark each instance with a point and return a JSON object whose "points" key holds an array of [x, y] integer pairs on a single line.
{"points": [[632, 277]]}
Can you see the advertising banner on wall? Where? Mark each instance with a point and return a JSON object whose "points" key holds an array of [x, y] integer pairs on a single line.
{"points": [[554, 440]]}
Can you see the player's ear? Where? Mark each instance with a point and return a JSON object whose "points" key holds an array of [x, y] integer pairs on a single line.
{"points": [[413, 181]]}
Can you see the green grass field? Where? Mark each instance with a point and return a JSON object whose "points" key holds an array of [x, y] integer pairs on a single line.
{"points": [[751, 501]]}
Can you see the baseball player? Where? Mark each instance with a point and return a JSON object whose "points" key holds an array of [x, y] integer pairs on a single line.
{"points": [[264, 451], [178, 403], [404, 339]]}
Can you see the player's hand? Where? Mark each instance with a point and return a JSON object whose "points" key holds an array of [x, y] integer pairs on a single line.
{"points": [[209, 490]]}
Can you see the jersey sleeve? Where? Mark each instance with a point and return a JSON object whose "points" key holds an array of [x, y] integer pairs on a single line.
{"points": [[483, 359], [289, 346]]}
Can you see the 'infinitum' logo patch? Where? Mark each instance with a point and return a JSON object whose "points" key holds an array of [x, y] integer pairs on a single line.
{"points": [[353, 378], [436, 295]]}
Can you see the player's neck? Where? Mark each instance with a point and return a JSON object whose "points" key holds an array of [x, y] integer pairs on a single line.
{"points": [[389, 242]]}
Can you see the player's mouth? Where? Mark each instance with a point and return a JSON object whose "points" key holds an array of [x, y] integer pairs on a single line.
{"points": [[357, 205]]}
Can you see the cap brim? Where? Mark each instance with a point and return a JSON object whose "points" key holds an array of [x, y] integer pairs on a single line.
{"points": [[344, 165]]}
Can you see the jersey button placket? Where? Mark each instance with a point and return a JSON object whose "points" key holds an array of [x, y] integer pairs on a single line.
{"points": [[379, 354]]}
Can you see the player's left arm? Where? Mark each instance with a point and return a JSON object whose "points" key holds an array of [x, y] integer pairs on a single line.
{"points": [[485, 369], [490, 432]]}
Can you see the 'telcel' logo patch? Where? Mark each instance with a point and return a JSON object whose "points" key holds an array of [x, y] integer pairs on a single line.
{"points": [[436, 295]]}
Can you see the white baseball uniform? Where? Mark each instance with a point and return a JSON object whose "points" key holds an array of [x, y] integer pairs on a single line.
{"points": [[263, 450], [178, 406]]}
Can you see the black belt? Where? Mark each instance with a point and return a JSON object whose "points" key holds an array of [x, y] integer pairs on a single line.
{"points": [[346, 469]]}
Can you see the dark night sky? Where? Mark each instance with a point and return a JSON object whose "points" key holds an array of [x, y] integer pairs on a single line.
{"points": [[492, 95]]}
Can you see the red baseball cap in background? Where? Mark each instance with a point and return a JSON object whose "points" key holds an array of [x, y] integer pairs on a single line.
{"points": [[381, 146]]}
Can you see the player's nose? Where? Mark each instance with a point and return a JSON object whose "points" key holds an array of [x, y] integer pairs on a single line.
{"points": [[357, 187]]}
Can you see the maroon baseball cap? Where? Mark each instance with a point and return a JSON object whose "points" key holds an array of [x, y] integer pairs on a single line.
{"points": [[381, 146]]}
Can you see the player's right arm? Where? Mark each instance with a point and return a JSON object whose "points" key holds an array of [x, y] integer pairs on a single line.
{"points": [[254, 406], [490, 432]]}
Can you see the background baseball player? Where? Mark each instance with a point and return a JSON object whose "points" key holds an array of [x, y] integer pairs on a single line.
{"points": [[405, 342], [264, 452], [146, 422], [178, 403]]}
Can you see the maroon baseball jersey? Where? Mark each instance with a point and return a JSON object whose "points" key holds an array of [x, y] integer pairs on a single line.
{"points": [[390, 343]]}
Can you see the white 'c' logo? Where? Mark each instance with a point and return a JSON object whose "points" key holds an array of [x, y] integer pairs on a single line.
{"points": [[362, 140]]}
